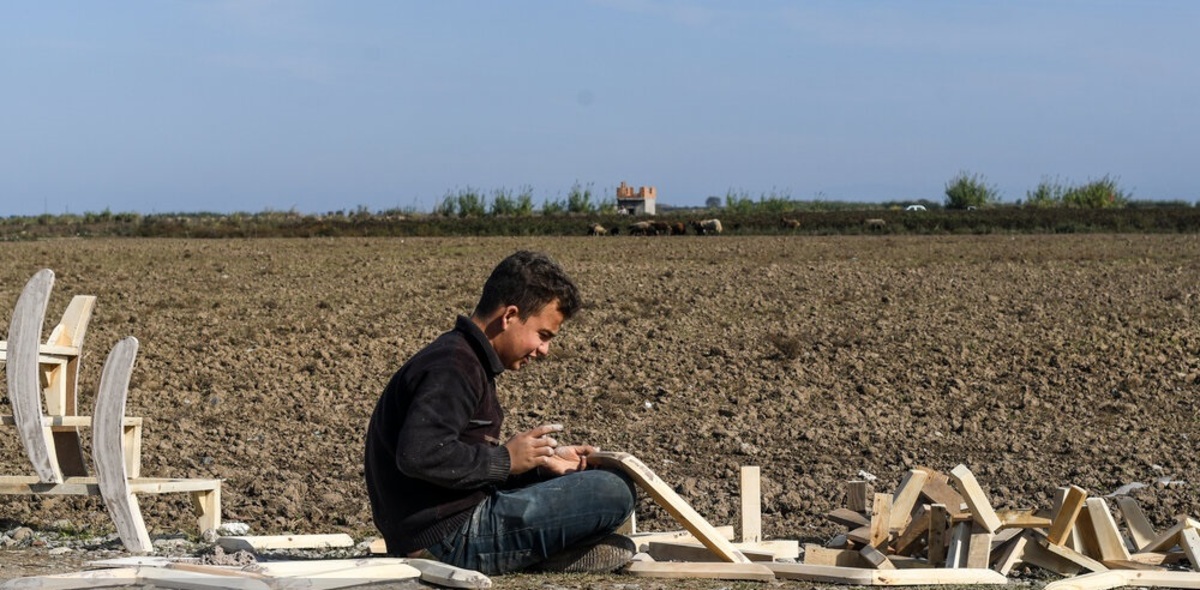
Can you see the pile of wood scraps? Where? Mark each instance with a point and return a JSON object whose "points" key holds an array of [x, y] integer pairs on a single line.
{"points": [[936, 523]]}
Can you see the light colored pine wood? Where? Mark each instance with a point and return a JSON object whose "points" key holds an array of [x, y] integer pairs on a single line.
{"points": [[781, 548], [664, 496], [956, 552], [184, 580], [683, 551], [448, 576], [981, 507], [1008, 555], [643, 538], [1069, 554], [979, 547], [1140, 529], [1170, 537], [361, 575], [1168, 579], [906, 497], [1022, 519], [1189, 541], [751, 480], [267, 542], [818, 555], [1158, 558], [24, 383], [1108, 537], [881, 519], [897, 577], [378, 547], [1036, 554], [1093, 581], [1064, 520], [108, 451], [105, 578], [707, 570], [1123, 564], [909, 539], [938, 491]]}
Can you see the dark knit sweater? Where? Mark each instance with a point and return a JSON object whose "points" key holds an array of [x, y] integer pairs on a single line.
{"points": [[433, 444]]}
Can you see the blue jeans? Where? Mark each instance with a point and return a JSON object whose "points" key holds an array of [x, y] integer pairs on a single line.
{"points": [[515, 529]]}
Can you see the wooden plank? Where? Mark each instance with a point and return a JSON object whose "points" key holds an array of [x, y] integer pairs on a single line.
{"points": [[1036, 554], [1094, 581], [664, 496], [938, 522], [848, 517], [856, 496], [378, 547], [1170, 579], [1008, 555], [1069, 554], [108, 448], [1158, 558], [898, 577], [1022, 519], [642, 540], [707, 570], [1129, 564], [876, 558], [371, 573], [956, 552], [1140, 529], [781, 548], [906, 497], [1064, 520], [909, 539], [1189, 541], [881, 519], [682, 551], [1108, 537], [1085, 535], [265, 542], [860, 535], [448, 576], [24, 384], [1170, 537], [979, 547], [938, 491], [1060, 495], [818, 555], [981, 508], [105, 578], [183, 580], [751, 489]]}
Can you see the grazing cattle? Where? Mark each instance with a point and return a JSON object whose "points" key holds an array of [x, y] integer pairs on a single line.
{"points": [[661, 228], [641, 228], [875, 223], [678, 228], [597, 230], [707, 226], [789, 223]]}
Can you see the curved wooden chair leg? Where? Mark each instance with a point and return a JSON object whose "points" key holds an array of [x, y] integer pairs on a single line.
{"points": [[24, 383], [108, 450]]}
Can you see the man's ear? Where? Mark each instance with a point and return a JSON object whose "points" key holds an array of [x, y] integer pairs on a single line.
{"points": [[510, 314]]}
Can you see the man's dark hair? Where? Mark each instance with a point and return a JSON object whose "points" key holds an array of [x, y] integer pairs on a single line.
{"points": [[528, 280]]}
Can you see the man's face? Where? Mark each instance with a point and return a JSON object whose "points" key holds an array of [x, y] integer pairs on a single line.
{"points": [[524, 340]]}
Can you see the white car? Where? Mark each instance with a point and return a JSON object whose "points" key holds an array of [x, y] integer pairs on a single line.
{"points": [[915, 208]]}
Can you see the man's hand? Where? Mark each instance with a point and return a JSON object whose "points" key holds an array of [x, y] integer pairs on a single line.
{"points": [[536, 448]]}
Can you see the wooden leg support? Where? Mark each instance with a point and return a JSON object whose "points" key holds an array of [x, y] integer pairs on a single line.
{"points": [[207, 506]]}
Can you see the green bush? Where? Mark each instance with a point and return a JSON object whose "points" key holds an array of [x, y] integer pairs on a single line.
{"points": [[1096, 194], [969, 190]]}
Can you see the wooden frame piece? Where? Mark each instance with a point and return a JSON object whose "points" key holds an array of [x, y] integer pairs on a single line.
{"points": [[1140, 529], [906, 497], [1108, 538], [708, 570], [981, 508], [939, 520], [881, 520], [267, 542], [1064, 520], [697, 552], [664, 496], [897, 577], [751, 488], [938, 491]]}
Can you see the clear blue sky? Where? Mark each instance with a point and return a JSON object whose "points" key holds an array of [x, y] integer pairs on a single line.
{"points": [[159, 106]]}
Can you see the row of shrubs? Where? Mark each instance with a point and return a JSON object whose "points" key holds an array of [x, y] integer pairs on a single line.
{"points": [[1135, 218]]}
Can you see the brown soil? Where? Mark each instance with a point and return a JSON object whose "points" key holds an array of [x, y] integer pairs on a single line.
{"points": [[1038, 361]]}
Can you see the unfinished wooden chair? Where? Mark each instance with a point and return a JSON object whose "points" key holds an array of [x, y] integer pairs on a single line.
{"points": [[116, 487], [115, 436], [53, 443]]}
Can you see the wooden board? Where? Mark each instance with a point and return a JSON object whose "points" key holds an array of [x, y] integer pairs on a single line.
{"points": [[856, 496], [981, 508], [664, 496], [818, 555], [938, 491], [24, 384], [643, 539], [897, 577], [709, 570], [1189, 541], [1108, 538], [908, 541], [266, 542], [1140, 529], [1119, 578], [1064, 520], [680, 551], [939, 520], [881, 520], [105, 578], [1022, 519], [751, 504], [448, 576], [847, 517], [906, 497], [1009, 554], [979, 547]]}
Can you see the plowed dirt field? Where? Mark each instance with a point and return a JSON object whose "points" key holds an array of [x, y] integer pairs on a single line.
{"points": [[1037, 361]]}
